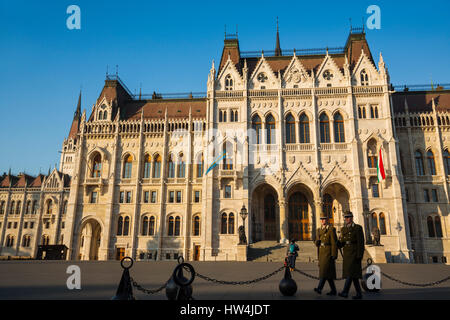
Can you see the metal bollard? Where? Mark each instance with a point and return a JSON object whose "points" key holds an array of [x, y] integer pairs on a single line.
{"points": [[287, 286], [125, 289], [179, 287]]}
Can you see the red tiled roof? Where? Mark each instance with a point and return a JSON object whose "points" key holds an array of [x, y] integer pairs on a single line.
{"points": [[420, 101], [157, 108]]}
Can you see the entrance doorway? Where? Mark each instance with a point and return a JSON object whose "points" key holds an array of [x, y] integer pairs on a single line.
{"points": [[90, 240], [196, 256], [120, 253], [298, 217], [270, 231], [264, 208]]}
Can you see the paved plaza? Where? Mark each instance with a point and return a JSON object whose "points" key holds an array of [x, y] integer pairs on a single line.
{"points": [[99, 280]]}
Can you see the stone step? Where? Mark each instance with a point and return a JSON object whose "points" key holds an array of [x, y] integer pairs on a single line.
{"points": [[272, 251]]}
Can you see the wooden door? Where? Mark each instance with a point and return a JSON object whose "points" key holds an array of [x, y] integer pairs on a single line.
{"points": [[120, 253], [298, 217], [270, 231], [196, 253]]}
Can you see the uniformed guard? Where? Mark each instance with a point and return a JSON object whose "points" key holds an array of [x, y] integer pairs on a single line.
{"points": [[326, 242], [352, 242]]}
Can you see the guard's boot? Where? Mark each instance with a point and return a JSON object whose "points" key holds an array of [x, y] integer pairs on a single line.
{"points": [[333, 288], [344, 292], [320, 286], [358, 289]]}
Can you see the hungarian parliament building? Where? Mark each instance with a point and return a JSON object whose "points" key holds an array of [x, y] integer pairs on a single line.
{"points": [[277, 138]]}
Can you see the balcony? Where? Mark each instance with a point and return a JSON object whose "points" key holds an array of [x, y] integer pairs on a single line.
{"points": [[333, 146], [299, 147], [96, 181]]}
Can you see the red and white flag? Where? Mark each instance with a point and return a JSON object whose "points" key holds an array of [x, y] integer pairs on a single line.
{"points": [[380, 167]]}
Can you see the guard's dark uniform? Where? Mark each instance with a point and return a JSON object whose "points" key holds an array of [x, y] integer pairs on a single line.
{"points": [[352, 243], [327, 248]]}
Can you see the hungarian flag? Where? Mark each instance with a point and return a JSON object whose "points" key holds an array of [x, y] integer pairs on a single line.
{"points": [[380, 167]]}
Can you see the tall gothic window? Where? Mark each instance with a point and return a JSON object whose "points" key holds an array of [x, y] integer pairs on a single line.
{"points": [[171, 167], [231, 223], [97, 166], [228, 82], [419, 163], [196, 226], [290, 129], [339, 135], [181, 166], [364, 78], [228, 160], [127, 166], [147, 166], [304, 129], [447, 161], [257, 127], [200, 165], [270, 130], [431, 163], [157, 167], [324, 128], [382, 224]]}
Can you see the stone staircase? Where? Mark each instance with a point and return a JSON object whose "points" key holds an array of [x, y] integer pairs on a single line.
{"points": [[272, 251]]}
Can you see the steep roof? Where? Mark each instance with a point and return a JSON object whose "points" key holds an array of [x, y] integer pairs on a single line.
{"points": [[176, 108], [421, 101], [76, 120], [23, 181]]}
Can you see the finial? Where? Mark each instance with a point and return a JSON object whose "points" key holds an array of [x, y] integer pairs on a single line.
{"points": [[107, 71], [225, 31], [117, 69], [350, 25], [236, 31], [295, 54]]}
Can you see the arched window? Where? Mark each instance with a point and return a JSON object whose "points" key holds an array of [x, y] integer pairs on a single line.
{"points": [[324, 128], [170, 226], [231, 223], [126, 226], [45, 240], [157, 167], [34, 207], [105, 115], [171, 168], [96, 166], [359, 113], [28, 207], [411, 226], [304, 129], [177, 226], [49, 207], [430, 225], [228, 160], [270, 130], [447, 161], [339, 135], [228, 82], [120, 226], [200, 165], [181, 166], [147, 166], [12, 207], [374, 220], [151, 227], [419, 163], [257, 127], [26, 241], [65, 207], [145, 226], [382, 223], [437, 226], [127, 166], [100, 115], [196, 226], [18, 207], [431, 163], [224, 220], [9, 241], [364, 78], [290, 129], [2, 207], [372, 157]]}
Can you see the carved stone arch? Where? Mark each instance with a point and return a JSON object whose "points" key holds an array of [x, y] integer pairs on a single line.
{"points": [[270, 181], [124, 154], [101, 151], [273, 113], [267, 69], [345, 183], [341, 111], [327, 112], [291, 112], [307, 112], [256, 113], [309, 186]]}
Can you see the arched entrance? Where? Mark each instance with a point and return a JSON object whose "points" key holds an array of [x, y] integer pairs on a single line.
{"points": [[300, 212], [299, 225], [335, 202], [264, 214], [90, 238]]}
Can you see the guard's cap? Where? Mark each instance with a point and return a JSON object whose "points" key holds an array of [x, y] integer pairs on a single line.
{"points": [[323, 215], [348, 214]]}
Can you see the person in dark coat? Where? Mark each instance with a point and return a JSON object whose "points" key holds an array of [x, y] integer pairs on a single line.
{"points": [[352, 242], [326, 242]]}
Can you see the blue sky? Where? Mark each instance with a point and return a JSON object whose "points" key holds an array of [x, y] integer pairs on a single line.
{"points": [[168, 46]]}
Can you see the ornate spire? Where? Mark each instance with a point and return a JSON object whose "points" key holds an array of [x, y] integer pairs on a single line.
{"points": [[277, 47], [78, 110]]}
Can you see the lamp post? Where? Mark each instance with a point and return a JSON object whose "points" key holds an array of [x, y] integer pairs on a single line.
{"points": [[242, 236]]}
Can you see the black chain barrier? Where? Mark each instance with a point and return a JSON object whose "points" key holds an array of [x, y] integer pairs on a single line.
{"points": [[183, 287]]}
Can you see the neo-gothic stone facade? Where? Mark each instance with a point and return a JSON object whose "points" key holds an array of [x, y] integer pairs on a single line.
{"points": [[301, 133]]}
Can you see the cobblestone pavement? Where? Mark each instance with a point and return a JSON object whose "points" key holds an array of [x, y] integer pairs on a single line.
{"points": [[99, 280]]}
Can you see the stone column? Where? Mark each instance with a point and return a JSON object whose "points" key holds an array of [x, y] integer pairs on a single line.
{"points": [[284, 231]]}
